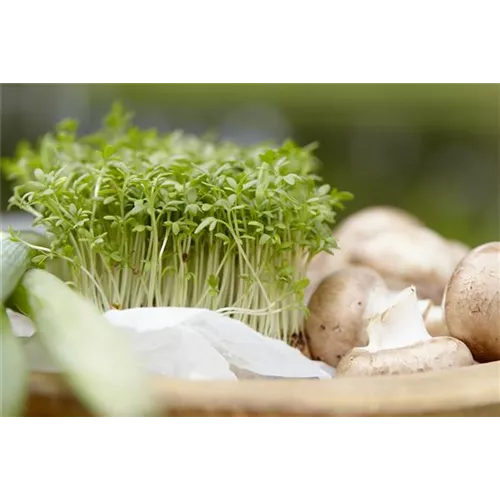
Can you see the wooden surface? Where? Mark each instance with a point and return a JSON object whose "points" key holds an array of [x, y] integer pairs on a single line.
{"points": [[470, 391]]}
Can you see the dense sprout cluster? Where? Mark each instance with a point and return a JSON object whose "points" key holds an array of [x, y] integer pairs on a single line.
{"points": [[145, 219]]}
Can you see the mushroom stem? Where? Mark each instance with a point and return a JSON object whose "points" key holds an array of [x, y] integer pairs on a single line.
{"points": [[425, 305], [435, 321], [379, 299], [400, 325], [399, 342]]}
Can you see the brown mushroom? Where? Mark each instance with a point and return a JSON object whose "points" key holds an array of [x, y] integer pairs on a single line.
{"points": [[371, 221], [335, 322], [432, 314], [351, 232], [434, 319], [398, 246], [400, 344], [322, 265], [414, 255], [472, 302]]}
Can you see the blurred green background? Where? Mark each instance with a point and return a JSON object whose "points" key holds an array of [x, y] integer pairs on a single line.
{"points": [[431, 149]]}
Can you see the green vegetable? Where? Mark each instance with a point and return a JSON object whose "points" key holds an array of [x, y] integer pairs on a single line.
{"points": [[13, 370], [31, 237], [15, 258], [144, 219], [92, 354], [39, 243]]}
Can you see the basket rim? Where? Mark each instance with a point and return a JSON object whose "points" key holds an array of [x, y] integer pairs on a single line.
{"points": [[445, 391]]}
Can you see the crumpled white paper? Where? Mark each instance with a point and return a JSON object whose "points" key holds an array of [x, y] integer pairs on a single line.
{"points": [[191, 343], [248, 353], [167, 347]]}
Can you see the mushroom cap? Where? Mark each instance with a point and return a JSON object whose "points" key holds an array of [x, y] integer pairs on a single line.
{"points": [[414, 256], [322, 265], [352, 231], [472, 303], [298, 341], [335, 322], [435, 354], [370, 221]]}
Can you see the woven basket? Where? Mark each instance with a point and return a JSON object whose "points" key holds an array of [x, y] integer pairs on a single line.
{"points": [[471, 391]]}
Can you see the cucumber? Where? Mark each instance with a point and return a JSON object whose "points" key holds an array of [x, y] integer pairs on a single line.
{"points": [[13, 370], [93, 355], [15, 259]]}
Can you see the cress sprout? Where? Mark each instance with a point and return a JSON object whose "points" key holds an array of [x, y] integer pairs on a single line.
{"points": [[149, 219]]}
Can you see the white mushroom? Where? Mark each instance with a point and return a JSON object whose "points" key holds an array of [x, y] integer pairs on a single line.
{"points": [[335, 322], [472, 302], [399, 343]]}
